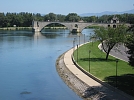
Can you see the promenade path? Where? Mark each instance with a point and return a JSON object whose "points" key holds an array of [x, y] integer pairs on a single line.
{"points": [[110, 92], [119, 51]]}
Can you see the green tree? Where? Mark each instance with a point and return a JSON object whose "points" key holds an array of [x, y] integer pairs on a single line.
{"points": [[50, 17], [131, 18], [2, 19], [8, 19], [46, 18], [60, 18], [72, 17], [109, 37], [130, 46], [38, 17], [90, 19]]}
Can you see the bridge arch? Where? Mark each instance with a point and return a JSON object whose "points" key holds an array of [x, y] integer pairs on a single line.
{"points": [[52, 26], [38, 26]]}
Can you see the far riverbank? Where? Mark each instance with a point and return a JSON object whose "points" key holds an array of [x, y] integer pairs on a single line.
{"points": [[16, 28], [28, 28]]}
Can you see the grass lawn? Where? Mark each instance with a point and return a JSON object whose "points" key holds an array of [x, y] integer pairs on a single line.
{"points": [[106, 70]]}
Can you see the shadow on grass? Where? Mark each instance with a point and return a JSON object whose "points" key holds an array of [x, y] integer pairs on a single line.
{"points": [[97, 59], [124, 82]]}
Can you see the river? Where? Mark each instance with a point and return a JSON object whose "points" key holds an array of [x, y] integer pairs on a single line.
{"points": [[27, 64]]}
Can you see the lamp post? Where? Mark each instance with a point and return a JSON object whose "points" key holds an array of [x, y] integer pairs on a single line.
{"points": [[90, 37], [84, 38], [73, 46], [77, 53], [116, 70], [89, 60], [79, 39], [74, 39]]}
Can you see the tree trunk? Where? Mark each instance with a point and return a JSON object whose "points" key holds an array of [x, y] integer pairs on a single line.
{"points": [[107, 56], [109, 46], [103, 47], [107, 53]]}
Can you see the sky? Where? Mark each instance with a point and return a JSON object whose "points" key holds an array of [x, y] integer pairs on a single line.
{"points": [[65, 7]]}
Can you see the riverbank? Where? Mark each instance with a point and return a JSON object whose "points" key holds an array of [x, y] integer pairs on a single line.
{"points": [[16, 28], [85, 84], [82, 89], [28, 28]]}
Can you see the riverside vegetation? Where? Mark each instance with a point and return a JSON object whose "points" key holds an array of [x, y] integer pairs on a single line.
{"points": [[105, 69]]}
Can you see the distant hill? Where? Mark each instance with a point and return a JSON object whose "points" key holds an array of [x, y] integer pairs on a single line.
{"points": [[106, 13]]}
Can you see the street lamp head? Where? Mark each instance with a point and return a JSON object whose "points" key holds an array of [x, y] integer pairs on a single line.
{"points": [[77, 45], [117, 60]]}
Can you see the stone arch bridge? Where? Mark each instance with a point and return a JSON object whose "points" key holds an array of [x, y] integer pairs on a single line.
{"points": [[72, 26]]}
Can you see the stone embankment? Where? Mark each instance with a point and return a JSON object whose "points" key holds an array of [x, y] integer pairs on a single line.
{"points": [[83, 83], [82, 89]]}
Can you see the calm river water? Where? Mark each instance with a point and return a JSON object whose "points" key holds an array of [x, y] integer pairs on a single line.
{"points": [[27, 64]]}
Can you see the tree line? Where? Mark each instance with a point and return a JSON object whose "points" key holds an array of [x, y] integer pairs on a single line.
{"points": [[25, 19]]}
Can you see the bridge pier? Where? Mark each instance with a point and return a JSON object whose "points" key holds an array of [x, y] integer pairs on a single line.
{"points": [[35, 29], [36, 26], [75, 31]]}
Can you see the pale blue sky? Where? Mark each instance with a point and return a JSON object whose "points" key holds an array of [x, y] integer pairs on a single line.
{"points": [[65, 6]]}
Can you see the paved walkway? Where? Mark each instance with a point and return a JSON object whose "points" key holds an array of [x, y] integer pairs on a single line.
{"points": [[119, 51], [112, 94]]}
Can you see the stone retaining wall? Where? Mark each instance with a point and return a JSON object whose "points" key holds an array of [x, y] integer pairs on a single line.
{"points": [[79, 87]]}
